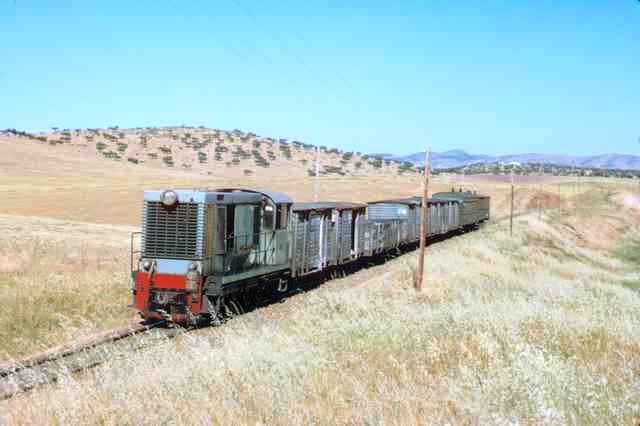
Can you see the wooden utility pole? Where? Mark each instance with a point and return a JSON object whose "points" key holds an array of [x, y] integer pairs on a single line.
{"points": [[316, 183], [511, 215], [423, 220]]}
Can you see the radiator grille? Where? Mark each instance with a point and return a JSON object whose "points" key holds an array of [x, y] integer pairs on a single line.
{"points": [[172, 233]]}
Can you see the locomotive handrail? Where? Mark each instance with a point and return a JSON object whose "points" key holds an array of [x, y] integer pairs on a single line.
{"points": [[133, 252]]}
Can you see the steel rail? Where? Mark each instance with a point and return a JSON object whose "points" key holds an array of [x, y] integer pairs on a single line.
{"points": [[46, 367]]}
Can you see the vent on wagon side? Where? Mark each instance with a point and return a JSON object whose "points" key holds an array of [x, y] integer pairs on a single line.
{"points": [[172, 233]]}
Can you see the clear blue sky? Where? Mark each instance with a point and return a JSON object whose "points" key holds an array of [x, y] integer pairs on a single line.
{"points": [[493, 77]]}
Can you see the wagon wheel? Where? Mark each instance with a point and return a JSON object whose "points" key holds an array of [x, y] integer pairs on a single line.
{"points": [[236, 308]]}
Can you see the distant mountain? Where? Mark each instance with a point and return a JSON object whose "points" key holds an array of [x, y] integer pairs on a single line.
{"points": [[458, 158]]}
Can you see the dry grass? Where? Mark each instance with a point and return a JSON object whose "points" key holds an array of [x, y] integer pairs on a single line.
{"points": [[59, 280], [534, 329]]}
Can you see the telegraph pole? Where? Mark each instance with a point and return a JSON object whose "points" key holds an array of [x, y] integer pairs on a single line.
{"points": [[316, 183], [540, 196], [423, 220], [511, 215]]}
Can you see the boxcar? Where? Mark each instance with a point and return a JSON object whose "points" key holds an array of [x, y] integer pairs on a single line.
{"points": [[325, 234], [443, 216], [474, 208]]}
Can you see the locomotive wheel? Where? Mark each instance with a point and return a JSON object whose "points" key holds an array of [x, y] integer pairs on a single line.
{"points": [[216, 305]]}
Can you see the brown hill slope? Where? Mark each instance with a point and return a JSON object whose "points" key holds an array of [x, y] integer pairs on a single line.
{"points": [[208, 151]]}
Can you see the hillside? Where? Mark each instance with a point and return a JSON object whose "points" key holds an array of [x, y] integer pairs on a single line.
{"points": [[458, 158], [536, 169], [209, 151]]}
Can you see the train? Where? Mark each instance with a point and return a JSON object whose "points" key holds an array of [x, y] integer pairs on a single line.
{"points": [[201, 250]]}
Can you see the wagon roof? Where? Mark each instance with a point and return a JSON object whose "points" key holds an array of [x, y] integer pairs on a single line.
{"points": [[466, 195], [327, 205], [411, 201], [276, 197]]}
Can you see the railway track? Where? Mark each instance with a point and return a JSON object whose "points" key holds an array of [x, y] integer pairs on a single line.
{"points": [[48, 366]]}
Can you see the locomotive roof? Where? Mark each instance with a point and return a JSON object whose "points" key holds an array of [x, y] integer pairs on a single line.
{"points": [[220, 196], [327, 205], [276, 197]]}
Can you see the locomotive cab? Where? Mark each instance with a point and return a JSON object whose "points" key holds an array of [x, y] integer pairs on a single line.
{"points": [[200, 245]]}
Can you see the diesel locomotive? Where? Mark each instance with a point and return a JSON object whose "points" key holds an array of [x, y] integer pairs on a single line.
{"points": [[201, 249]]}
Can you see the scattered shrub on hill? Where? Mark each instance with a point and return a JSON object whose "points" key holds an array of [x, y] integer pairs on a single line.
{"points": [[111, 155], [376, 163], [100, 146], [304, 161], [202, 157], [241, 153], [122, 147], [165, 150], [286, 151], [109, 136], [168, 160], [247, 172], [133, 160], [259, 159], [152, 155], [198, 145], [347, 156], [54, 142], [221, 148], [406, 166], [326, 170], [358, 164], [218, 156]]}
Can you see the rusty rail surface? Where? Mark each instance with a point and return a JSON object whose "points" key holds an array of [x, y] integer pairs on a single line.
{"points": [[46, 367]]}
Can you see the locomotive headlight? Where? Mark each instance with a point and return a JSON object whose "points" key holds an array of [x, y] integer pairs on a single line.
{"points": [[192, 277], [146, 264], [169, 198]]}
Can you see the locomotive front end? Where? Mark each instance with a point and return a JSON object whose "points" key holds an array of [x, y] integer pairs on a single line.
{"points": [[202, 248], [168, 277]]}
